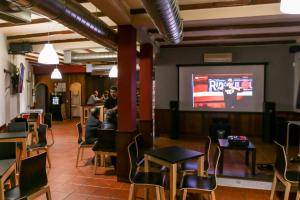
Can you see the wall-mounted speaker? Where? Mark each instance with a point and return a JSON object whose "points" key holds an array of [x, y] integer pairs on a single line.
{"points": [[269, 122], [174, 110], [19, 48]]}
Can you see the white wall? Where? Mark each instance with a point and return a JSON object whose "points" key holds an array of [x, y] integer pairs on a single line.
{"points": [[279, 87], [12, 104]]}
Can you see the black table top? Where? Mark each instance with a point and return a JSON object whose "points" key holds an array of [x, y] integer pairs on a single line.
{"points": [[224, 144], [10, 135], [5, 165], [174, 154]]}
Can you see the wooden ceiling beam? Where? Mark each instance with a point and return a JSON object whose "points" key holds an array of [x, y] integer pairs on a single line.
{"points": [[39, 34], [219, 4], [236, 26], [61, 41], [241, 36]]}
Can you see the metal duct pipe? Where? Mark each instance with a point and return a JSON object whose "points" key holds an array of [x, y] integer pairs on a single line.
{"points": [[166, 17], [74, 16], [71, 57]]}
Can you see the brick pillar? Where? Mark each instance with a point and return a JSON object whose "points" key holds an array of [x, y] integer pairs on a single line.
{"points": [[146, 65]]}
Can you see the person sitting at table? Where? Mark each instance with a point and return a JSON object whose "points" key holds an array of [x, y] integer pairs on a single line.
{"points": [[111, 120], [92, 125], [109, 123], [93, 98]]}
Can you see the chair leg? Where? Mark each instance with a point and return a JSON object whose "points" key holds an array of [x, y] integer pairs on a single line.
{"points": [[184, 194], [273, 187], [213, 195], [95, 163], [52, 137], [131, 192], [48, 158], [157, 191], [78, 153], [82, 154], [162, 193], [48, 193], [287, 191], [298, 195]]}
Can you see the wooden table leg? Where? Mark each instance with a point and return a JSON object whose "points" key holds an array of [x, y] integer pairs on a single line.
{"points": [[201, 166], [221, 161], [247, 157], [2, 189], [173, 181], [146, 169], [253, 161]]}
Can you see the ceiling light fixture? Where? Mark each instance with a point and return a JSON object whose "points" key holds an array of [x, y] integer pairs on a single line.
{"points": [[48, 54], [290, 6], [113, 73], [56, 74]]}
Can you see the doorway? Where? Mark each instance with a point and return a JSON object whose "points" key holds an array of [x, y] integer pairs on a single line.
{"points": [[41, 97], [75, 90]]}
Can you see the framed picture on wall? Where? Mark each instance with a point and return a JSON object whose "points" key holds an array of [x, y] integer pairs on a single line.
{"points": [[60, 87]]}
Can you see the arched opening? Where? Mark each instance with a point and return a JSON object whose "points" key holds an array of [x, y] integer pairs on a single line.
{"points": [[75, 97], [41, 97]]}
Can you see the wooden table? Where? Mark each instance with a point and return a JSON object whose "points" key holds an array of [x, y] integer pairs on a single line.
{"points": [[170, 157], [223, 144], [7, 170]]}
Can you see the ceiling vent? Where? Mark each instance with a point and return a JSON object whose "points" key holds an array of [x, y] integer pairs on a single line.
{"points": [[12, 12]]}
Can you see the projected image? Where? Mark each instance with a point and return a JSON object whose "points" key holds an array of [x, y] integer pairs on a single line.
{"points": [[222, 91]]}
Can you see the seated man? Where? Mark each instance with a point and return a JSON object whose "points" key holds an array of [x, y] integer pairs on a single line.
{"points": [[111, 120], [109, 123], [92, 125]]}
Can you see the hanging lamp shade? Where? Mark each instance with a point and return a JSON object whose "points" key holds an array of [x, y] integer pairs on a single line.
{"points": [[113, 73], [48, 55], [56, 74], [290, 6]]}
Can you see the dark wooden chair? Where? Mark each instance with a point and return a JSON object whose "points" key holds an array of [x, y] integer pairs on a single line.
{"points": [[20, 119], [191, 166], [33, 180], [48, 121], [199, 184], [143, 179], [288, 178], [42, 144], [105, 146], [81, 143], [7, 150]]}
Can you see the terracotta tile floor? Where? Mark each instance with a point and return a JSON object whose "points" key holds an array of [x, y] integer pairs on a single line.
{"points": [[70, 183]]}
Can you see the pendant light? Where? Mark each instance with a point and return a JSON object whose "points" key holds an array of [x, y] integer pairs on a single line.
{"points": [[290, 6], [48, 54], [56, 74], [113, 73]]}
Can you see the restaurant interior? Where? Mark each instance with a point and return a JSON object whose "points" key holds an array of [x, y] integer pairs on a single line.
{"points": [[150, 99]]}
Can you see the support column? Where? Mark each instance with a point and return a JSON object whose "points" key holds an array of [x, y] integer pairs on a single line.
{"points": [[126, 96], [146, 121]]}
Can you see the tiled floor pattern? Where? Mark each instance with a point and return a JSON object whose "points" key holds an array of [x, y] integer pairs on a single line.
{"points": [[70, 183]]}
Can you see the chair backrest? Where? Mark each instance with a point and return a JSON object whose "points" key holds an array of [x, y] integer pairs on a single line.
{"points": [[20, 119], [42, 131], [139, 144], [16, 127], [33, 173], [48, 119], [207, 152], [7, 150], [79, 131], [281, 161], [106, 139], [33, 115], [132, 153], [216, 164]]}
